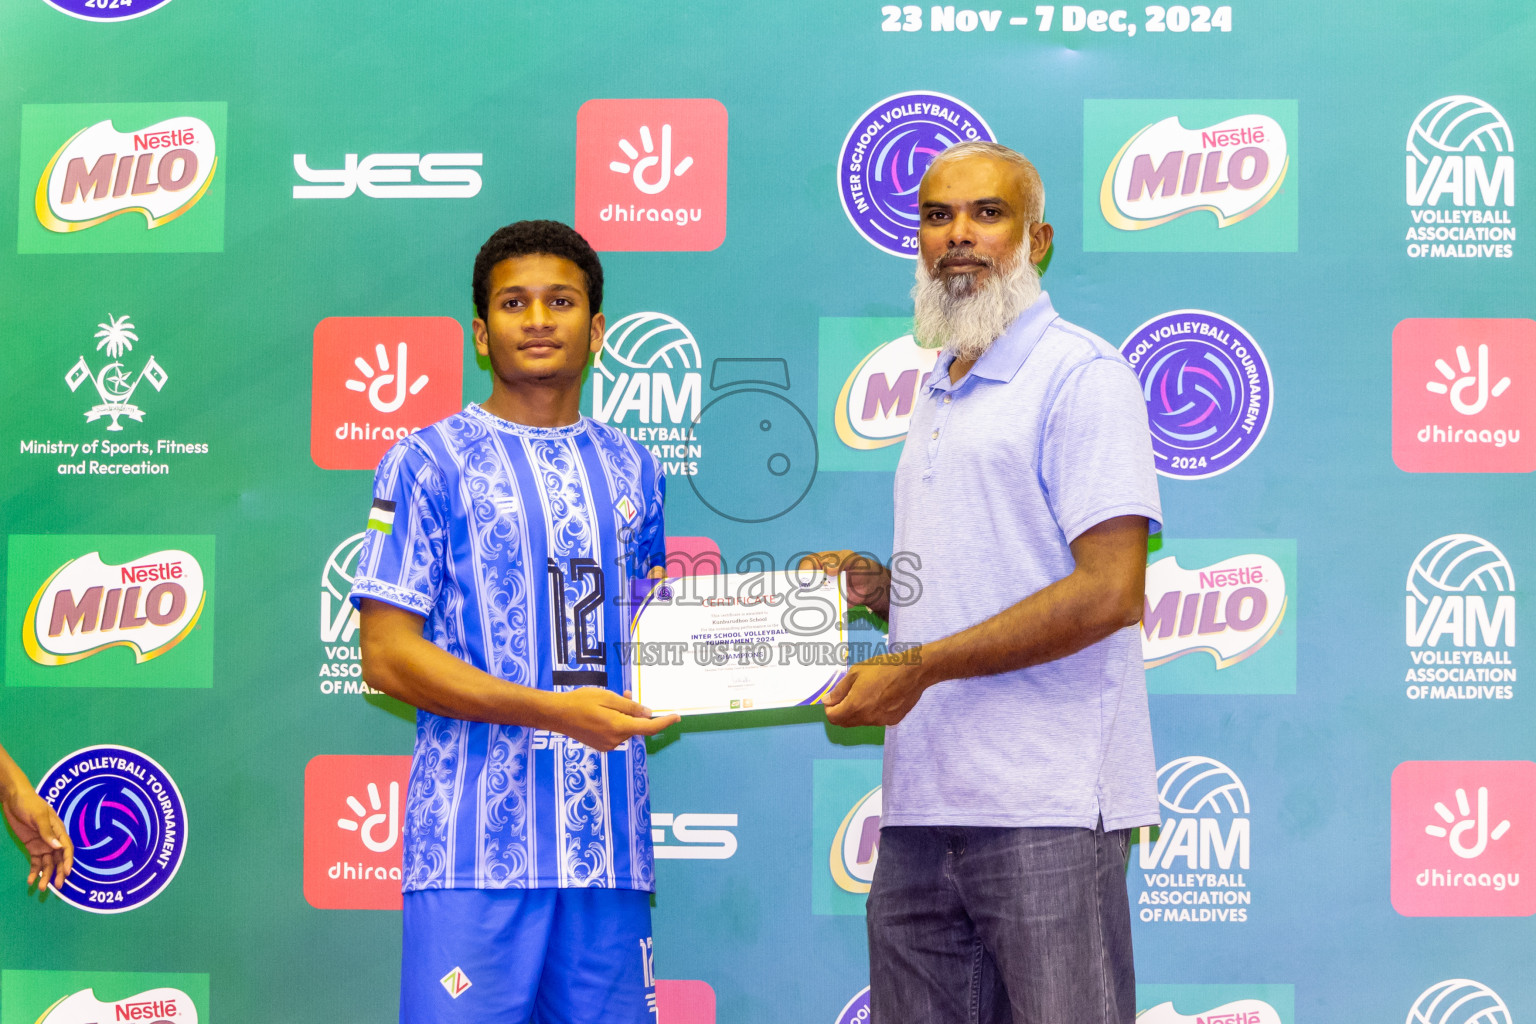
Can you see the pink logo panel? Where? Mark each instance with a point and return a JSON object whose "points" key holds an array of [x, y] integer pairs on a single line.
{"points": [[1462, 838]]}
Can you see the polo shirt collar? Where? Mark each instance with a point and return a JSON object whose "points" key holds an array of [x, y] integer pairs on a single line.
{"points": [[1002, 360]]}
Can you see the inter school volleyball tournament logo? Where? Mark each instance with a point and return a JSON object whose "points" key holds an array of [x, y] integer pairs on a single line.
{"points": [[857, 1010], [1464, 838], [884, 157], [378, 379], [651, 174], [123, 178], [1190, 176], [1459, 392], [1228, 601], [1194, 871], [107, 10], [1459, 621], [1207, 387], [1459, 1001], [1461, 181], [128, 823]]}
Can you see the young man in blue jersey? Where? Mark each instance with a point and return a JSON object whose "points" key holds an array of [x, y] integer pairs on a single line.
{"points": [[494, 586]]}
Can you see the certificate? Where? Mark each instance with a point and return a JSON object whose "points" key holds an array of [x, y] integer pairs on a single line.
{"points": [[738, 642]]}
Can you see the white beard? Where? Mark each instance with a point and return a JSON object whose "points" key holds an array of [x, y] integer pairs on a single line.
{"points": [[950, 316]]}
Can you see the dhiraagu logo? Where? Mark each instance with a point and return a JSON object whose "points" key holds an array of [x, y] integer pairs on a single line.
{"points": [[845, 833], [1215, 1004], [122, 177], [1189, 175], [110, 611]]}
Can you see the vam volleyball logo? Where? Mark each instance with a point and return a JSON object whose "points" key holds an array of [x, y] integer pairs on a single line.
{"points": [[1193, 176], [884, 156], [1459, 621], [1231, 604], [123, 178], [1464, 838], [1459, 395], [1461, 181], [128, 823], [79, 597], [1459, 1001], [1208, 391], [1194, 870], [341, 664], [648, 382], [107, 10]]}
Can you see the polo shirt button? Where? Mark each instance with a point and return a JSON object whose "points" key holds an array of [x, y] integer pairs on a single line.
{"points": [[947, 399], [935, 435]]}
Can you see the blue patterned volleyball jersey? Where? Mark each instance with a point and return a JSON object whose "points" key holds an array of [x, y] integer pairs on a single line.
{"points": [[519, 545]]}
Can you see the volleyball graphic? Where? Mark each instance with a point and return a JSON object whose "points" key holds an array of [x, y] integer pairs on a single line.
{"points": [[1190, 785], [1459, 563], [647, 341], [1459, 1001], [1459, 124], [336, 579]]}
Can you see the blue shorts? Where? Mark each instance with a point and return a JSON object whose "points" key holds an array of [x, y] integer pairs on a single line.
{"points": [[510, 956]]}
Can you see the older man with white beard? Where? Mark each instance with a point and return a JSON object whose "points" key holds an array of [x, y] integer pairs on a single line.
{"points": [[1018, 753]]}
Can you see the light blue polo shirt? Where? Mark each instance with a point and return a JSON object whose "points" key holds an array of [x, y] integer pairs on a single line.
{"points": [[1045, 437]]}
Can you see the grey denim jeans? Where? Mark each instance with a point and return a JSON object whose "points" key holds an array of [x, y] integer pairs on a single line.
{"points": [[1000, 926]]}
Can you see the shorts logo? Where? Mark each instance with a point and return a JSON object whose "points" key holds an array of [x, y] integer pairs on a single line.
{"points": [[122, 177], [1230, 170], [1459, 1001], [1208, 391], [1462, 843], [1190, 175], [148, 606], [884, 157], [456, 982], [107, 10], [857, 1010], [378, 379], [114, 383], [627, 509], [651, 174], [1231, 608], [1460, 396], [1460, 181], [856, 846], [160, 1005], [127, 821], [1193, 871], [1459, 621], [353, 810]]}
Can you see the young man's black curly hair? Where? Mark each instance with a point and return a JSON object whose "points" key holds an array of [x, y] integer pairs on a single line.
{"points": [[537, 237]]}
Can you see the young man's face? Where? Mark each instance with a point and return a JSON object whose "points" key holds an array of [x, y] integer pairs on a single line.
{"points": [[538, 324]]}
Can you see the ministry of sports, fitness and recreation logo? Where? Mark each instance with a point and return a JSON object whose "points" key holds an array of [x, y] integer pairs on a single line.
{"points": [[103, 997], [1461, 395], [884, 157], [1461, 838], [127, 177], [651, 174], [128, 823], [1215, 1004], [648, 382], [1459, 1001], [1230, 600], [1459, 621], [1190, 175], [1194, 871], [107, 10], [115, 383], [1207, 387], [857, 1010], [1461, 181], [76, 598], [353, 814]]}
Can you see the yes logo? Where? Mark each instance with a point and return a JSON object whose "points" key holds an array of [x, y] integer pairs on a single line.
{"points": [[1194, 870], [694, 836], [1464, 838], [651, 174], [378, 379], [1234, 603], [140, 177], [1460, 396], [353, 809], [1192, 176], [389, 176], [76, 598], [870, 375], [845, 833]]}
